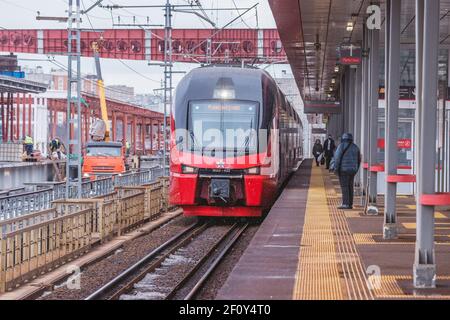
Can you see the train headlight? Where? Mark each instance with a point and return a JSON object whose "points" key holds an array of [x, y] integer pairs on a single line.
{"points": [[224, 89], [254, 170], [224, 94], [86, 175], [187, 169]]}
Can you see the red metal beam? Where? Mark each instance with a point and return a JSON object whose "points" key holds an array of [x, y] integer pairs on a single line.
{"points": [[189, 45]]}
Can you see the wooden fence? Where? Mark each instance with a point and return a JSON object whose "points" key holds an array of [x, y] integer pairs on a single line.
{"points": [[36, 243]]}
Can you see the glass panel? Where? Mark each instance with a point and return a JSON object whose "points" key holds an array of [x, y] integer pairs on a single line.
{"points": [[104, 151], [405, 152], [219, 125]]}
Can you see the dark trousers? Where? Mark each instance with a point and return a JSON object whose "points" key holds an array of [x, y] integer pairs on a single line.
{"points": [[29, 149], [317, 160], [346, 181], [328, 157]]}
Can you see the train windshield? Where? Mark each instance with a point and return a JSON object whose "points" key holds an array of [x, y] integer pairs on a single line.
{"points": [[223, 126]]}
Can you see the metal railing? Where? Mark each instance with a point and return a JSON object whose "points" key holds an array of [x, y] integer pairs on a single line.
{"points": [[17, 205]]}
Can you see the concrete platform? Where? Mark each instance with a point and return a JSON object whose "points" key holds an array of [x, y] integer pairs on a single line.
{"points": [[308, 249]]}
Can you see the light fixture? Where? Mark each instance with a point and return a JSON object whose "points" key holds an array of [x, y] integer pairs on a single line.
{"points": [[349, 26], [336, 69], [224, 89], [224, 94], [331, 88], [333, 81]]}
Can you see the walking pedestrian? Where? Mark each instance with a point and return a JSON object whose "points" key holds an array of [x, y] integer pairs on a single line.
{"points": [[317, 151], [347, 160], [329, 146]]}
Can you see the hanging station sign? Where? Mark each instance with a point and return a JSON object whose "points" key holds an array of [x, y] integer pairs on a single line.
{"points": [[350, 54], [319, 106]]}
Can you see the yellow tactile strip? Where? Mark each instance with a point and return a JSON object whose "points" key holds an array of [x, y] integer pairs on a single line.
{"points": [[350, 262], [317, 276], [371, 238], [389, 288]]}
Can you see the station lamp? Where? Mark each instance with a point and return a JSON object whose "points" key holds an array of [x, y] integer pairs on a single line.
{"points": [[349, 26]]}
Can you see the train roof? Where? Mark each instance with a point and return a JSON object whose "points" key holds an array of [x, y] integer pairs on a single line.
{"points": [[217, 71]]}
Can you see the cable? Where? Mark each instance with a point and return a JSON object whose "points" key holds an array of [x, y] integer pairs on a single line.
{"points": [[123, 63], [126, 10], [243, 21], [19, 6], [60, 65], [92, 16], [138, 73]]}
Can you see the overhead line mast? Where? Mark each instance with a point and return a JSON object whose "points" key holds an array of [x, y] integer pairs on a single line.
{"points": [[74, 158]]}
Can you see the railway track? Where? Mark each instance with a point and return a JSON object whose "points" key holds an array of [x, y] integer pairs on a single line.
{"points": [[211, 260], [191, 282]]}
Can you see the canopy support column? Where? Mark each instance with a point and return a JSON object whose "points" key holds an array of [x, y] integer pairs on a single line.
{"points": [[392, 100], [424, 263]]}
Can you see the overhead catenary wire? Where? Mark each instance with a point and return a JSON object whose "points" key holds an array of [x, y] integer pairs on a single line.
{"points": [[122, 62], [64, 68], [243, 21]]}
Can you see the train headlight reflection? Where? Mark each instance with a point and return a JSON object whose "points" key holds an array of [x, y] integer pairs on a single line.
{"points": [[187, 169], [254, 170]]}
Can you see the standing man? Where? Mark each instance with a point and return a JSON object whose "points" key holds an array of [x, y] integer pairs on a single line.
{"points": [[55, 146], [346, 164], [329, 147], [28, 143]]}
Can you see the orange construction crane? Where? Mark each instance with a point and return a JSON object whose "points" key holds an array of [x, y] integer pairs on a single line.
{"points": [[102, 156]]}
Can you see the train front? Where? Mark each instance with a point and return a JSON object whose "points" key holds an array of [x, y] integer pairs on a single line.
{"points": [[221, 162]]}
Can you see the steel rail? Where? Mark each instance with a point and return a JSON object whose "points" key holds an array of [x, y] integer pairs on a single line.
{"points": [[167, 248], [216, 261], [200, 263]]}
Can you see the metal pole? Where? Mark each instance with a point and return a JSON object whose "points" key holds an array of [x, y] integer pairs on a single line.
{"points": [[424, 264], [373, 121], [345, 98], [392, 99], [419, 91], [365, 111], [73, 188], [443, 169], [167, 73], [351, 100], [387, 26], [358, 119]]}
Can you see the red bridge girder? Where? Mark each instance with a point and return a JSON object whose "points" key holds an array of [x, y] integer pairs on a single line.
{"points": [[189, 45], [143, 129]]}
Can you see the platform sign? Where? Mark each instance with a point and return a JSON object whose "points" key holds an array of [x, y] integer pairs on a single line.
{"points": [[405, 93], [319, 106], [401, 143], [350, 54]]}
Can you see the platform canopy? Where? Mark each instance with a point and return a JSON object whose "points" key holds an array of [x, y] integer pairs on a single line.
{"points": [[312, 33]]}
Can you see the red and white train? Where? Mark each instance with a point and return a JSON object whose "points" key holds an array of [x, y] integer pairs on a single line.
{"points": [[235, 139]]}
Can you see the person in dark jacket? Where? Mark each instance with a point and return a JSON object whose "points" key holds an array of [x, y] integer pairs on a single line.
{"points": [[347, 160], [328, 147], [317, 151]]}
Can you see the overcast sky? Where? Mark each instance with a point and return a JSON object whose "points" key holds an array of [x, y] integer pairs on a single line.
{"points": [[21, 14]]}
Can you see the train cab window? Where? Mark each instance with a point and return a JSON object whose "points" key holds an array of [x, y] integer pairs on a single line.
{"points": [[105, 151], [223, 126]]}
